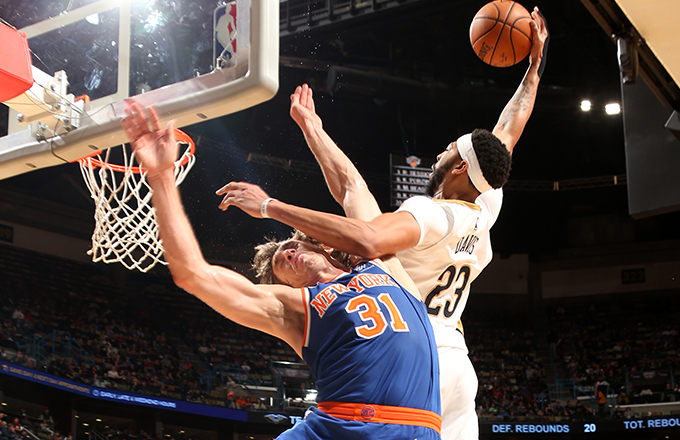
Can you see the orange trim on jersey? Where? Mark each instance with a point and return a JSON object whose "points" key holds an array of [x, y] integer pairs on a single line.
{"points": [[305, 335], [396, 415], [460, 202]]}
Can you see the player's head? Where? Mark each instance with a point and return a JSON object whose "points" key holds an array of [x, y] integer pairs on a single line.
{"points": [[296, 261], [480, 155]]}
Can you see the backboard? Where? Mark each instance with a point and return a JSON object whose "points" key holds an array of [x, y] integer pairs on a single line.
{"points": [[147, 51]]}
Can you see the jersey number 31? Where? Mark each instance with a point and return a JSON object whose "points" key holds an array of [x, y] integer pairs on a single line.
{"points": [[370, 313]]}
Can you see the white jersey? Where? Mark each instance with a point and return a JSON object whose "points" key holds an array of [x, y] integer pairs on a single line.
{"points": [[453, 249]]}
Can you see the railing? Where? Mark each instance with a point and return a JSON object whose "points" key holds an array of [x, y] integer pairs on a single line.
{"points": [[240, 376], [62, 343], [96, 435], [564, 389]]}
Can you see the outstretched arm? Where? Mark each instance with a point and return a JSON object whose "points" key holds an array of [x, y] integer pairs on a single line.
{"points": [[385, 234], [516, 113], [274, 309], [343, 179]]}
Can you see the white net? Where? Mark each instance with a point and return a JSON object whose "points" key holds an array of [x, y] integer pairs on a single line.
{"points": [[125, 230]]}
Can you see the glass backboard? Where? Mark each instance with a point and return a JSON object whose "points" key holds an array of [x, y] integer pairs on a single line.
{"points": [[193, 60]]}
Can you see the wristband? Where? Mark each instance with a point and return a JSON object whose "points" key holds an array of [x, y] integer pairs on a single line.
{"points": [[263, 207]]}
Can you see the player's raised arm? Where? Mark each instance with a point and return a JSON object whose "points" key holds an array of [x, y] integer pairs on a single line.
{"points": [[343, 179], [274, 309], [516, 113]]}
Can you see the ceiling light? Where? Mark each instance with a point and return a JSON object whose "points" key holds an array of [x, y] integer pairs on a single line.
{"points": [[585, 105], [612, 109]]}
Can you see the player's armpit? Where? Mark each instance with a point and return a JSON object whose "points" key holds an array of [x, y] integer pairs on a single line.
{"points": [[277, 310], [392, 233]]}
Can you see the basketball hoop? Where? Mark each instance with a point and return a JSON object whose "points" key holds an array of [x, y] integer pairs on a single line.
{"points": [[125, 230]]}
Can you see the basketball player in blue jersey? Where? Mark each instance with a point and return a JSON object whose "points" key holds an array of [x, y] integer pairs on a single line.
{"points": [[362, 334], [442, 241]]}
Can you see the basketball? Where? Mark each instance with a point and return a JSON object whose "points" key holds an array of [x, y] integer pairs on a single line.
{"points": [[500, 33]]}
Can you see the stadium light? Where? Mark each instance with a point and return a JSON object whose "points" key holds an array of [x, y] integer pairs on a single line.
{"points": [[612, 109]]}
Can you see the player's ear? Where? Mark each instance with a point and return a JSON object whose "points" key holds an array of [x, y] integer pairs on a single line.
{"points": [[460, 167]]}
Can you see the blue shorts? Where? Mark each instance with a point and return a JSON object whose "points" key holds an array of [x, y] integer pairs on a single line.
{"points": [[318, 425]]}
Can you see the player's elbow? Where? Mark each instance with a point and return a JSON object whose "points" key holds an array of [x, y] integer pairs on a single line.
{"points": [[183, 280], [369, 246], [186, 276]]}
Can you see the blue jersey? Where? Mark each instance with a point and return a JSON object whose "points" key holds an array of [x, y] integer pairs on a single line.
{"points": [[367, 340]]}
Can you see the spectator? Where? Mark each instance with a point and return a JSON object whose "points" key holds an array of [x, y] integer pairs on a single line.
{"points": [[46, 427], [4, 430], [248, 403], [100, 382], [645, 395], [601, 401], [622, 398], [502, 414], [231, 385], [245, 367], [47, 418], [113, 373], [241, 402], [231, 403], [618, 413], [12, 434]]}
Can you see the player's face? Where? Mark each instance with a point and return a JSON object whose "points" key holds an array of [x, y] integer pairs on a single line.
{"points": [[445, 160], [299, 263]]}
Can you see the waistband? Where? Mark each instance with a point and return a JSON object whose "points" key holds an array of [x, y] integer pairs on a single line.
{"points": [[397, 415]]}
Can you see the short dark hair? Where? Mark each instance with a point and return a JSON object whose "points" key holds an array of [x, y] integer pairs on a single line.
{"points": [[264, 254], [494, 159]]}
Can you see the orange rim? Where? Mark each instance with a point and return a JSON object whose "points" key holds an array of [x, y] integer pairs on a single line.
{"points": [[180, 137]]}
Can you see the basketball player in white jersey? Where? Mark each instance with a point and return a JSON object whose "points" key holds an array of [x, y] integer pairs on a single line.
{"points": [[443, 242]]}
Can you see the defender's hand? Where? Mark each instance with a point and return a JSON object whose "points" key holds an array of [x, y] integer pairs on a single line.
{"points": [[243, 195]]}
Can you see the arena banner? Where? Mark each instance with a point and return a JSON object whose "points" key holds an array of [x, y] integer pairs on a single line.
{"points": [[121, 396], [586, 427]]}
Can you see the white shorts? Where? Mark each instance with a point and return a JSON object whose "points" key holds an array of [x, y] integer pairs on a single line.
{"points": [[458, 385]]}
